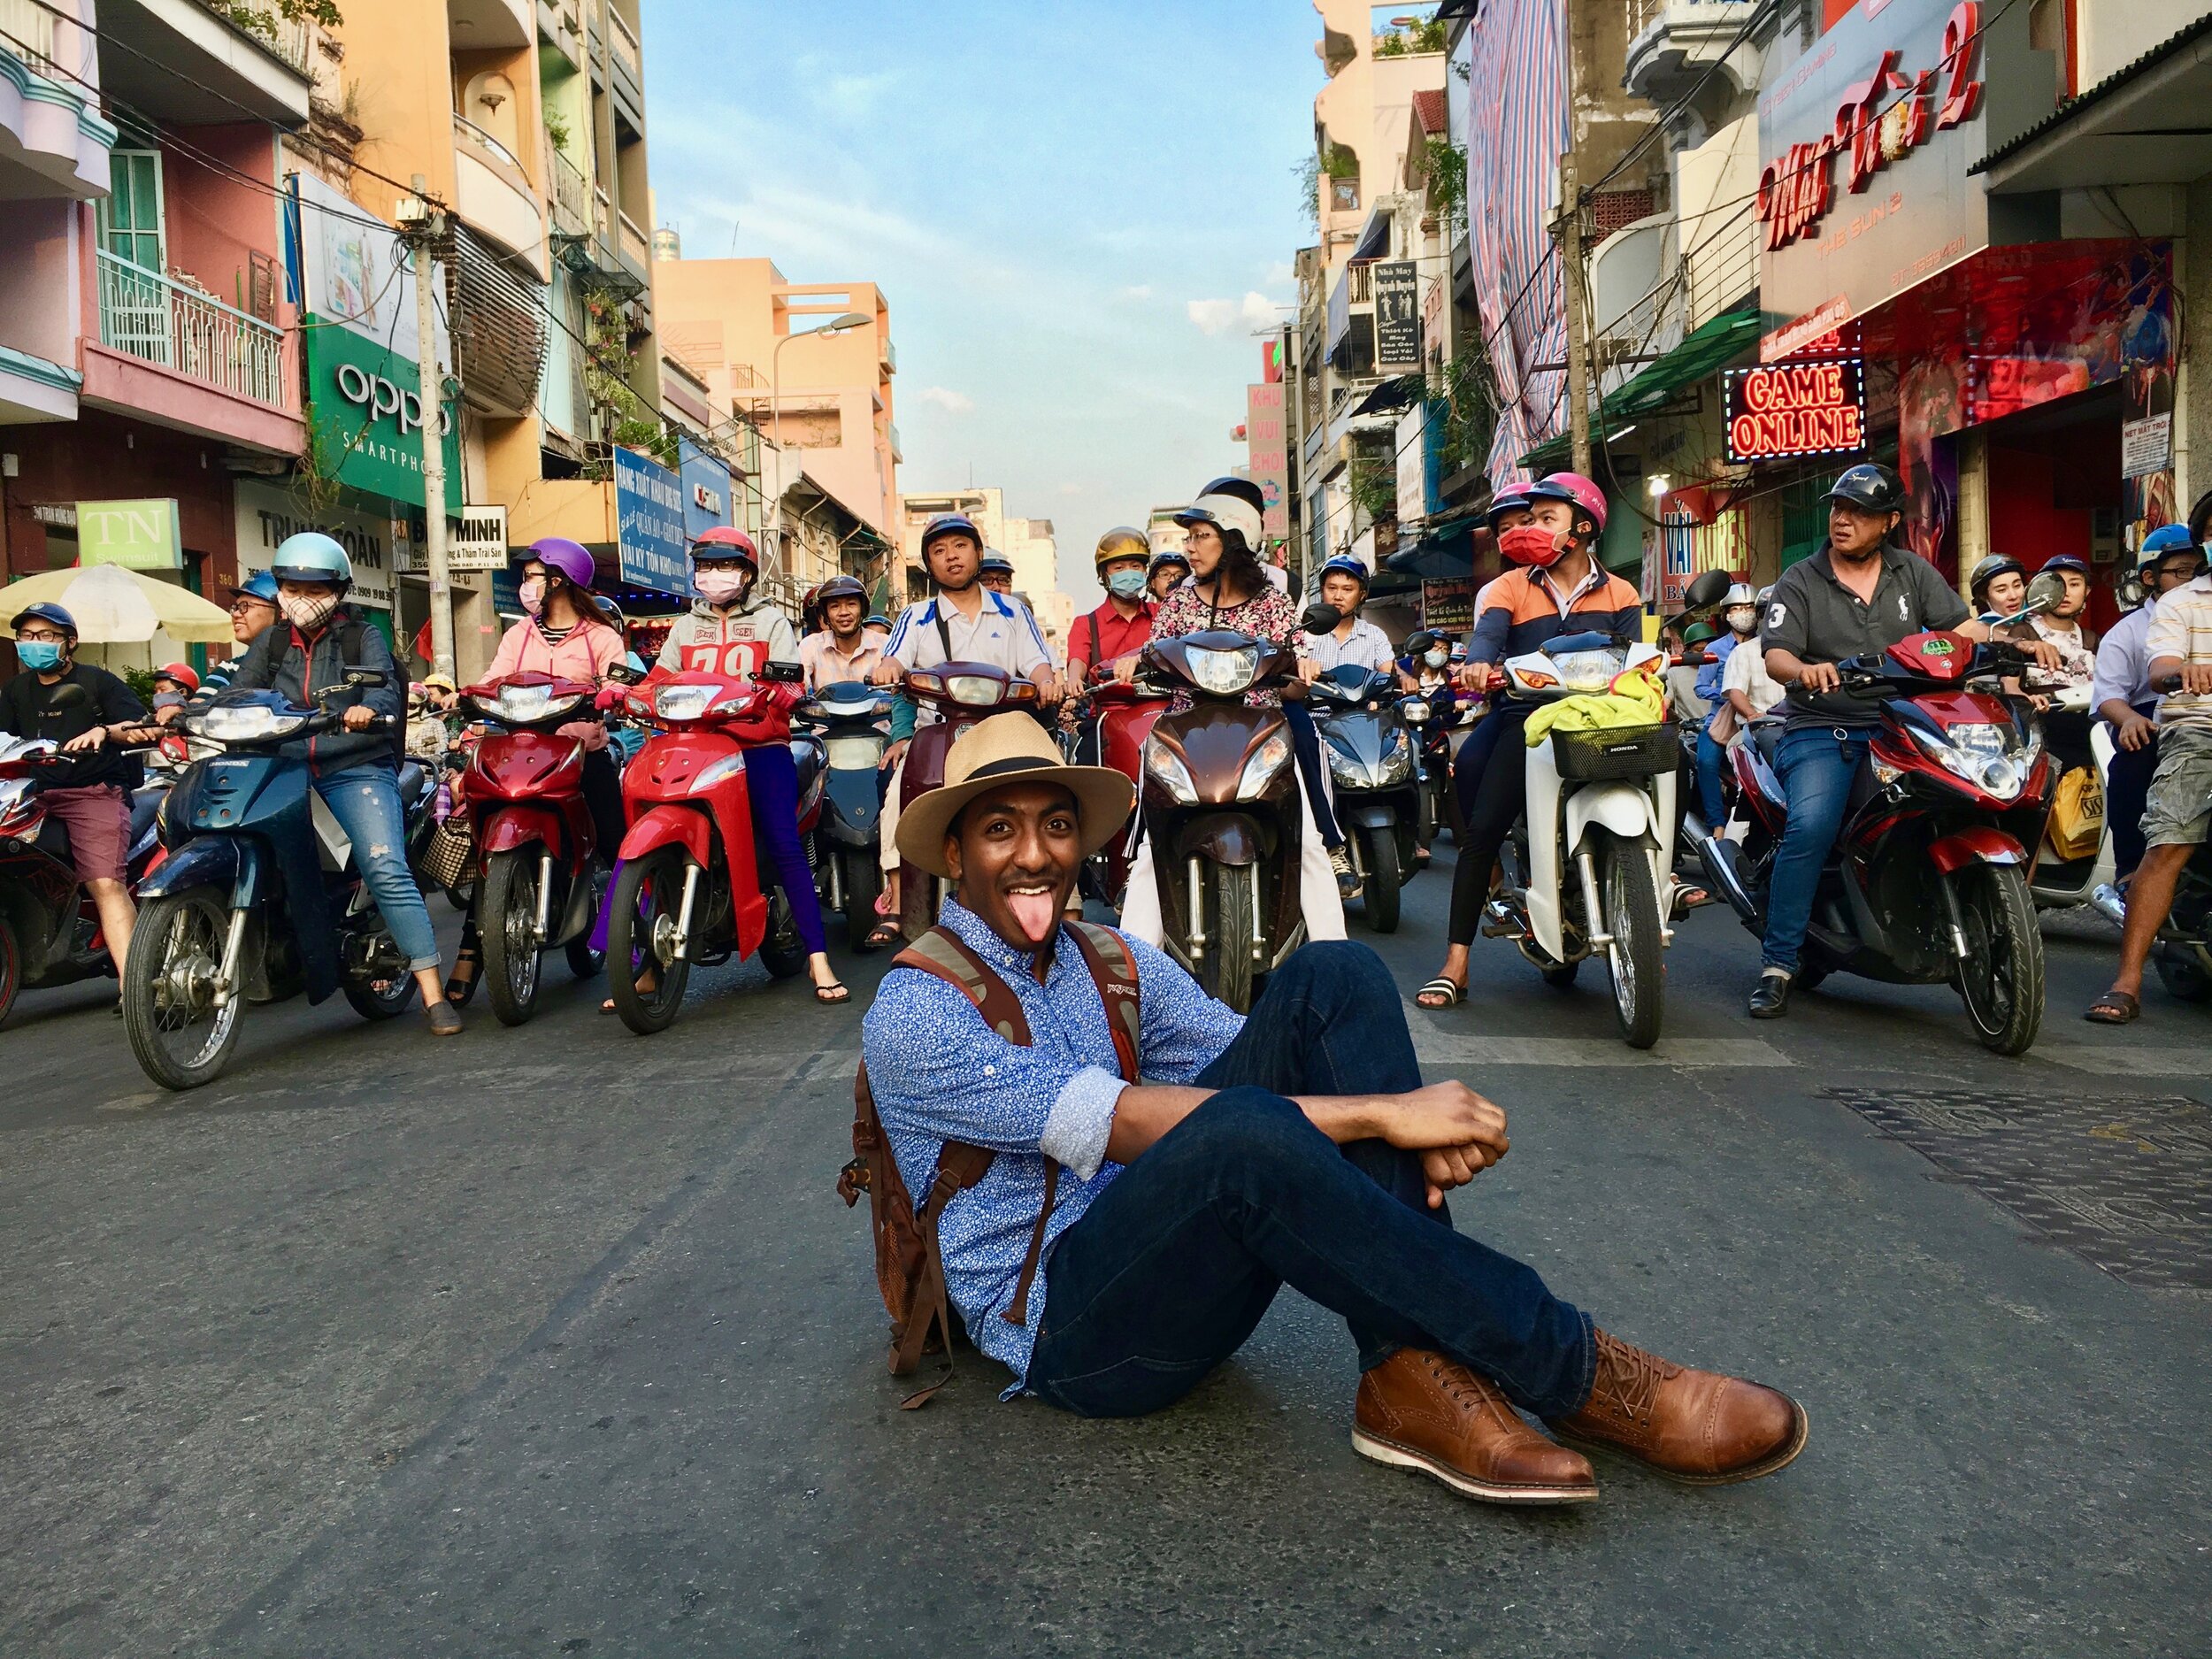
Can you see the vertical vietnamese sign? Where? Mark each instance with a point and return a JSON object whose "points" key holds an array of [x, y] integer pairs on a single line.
{"points": [[1397, 316], [1268, 452], [649, 522]]}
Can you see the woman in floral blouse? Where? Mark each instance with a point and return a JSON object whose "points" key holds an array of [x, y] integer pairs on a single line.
{"points": [[1228, 590]]}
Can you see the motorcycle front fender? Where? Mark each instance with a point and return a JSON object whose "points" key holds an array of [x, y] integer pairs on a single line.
{"points": [[1976, 843], [1622, 807], [1227, 838], [666, 826], [230, 863], [513, 825], [1366, 812]]}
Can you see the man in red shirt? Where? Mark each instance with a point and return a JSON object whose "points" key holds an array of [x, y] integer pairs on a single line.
{"points": [[1124, 623]]}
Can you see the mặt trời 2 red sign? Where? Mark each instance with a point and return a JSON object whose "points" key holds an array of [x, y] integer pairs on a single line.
{"points": [[1866, 141], [1780, 409]]}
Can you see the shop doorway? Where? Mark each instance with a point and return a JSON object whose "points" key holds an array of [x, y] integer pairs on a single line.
{"points": [[2054, 488]]}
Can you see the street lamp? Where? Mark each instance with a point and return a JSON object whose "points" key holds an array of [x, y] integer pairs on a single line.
{"points": [[835, 326]]}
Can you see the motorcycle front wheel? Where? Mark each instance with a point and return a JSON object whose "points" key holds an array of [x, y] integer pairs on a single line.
{"points": [[1636, 958], [1380, 892], [178, 1036], [863, 882], [647, 900], [1227, 963], [2000, 980], [507, 922]]}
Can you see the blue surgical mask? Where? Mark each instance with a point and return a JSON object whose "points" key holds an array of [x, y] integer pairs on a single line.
{"points": [[38, 655], [1127, 584]]}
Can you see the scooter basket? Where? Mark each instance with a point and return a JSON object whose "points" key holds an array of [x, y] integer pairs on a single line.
{"points": [[1620, 751]]}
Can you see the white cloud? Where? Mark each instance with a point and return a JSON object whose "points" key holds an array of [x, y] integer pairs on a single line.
{"points": [[1216, 317], [951, 401]]}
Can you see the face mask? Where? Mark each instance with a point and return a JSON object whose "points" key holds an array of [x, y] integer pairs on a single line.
{"points": [[722, 587], [1530, 544], [1743, 620], [1126, 584], [531, 594], [1435, 659], [310, 613], [38, 655]]}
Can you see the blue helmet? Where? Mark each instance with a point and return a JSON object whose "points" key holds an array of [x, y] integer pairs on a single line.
{"points": [[996, 564], [2066, 562], [47, 612], [1345, 565], [312, 557], [1511, 498], [2166, 540], [950, 524], [261, 585]]}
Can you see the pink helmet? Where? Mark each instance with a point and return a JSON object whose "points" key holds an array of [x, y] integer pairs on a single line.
{"points": [[571, 559], [1575, 490]]}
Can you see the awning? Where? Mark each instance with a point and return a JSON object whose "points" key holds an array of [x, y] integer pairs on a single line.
{"points": [[1443, 550], [1394, 393], [1374, 236], [2141, 124], [1703, 352]]}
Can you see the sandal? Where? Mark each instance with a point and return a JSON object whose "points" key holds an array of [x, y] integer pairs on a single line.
{"points": [[2114, 1008], [460, 986], [1452, 993], [883, 934], [832, 994]]}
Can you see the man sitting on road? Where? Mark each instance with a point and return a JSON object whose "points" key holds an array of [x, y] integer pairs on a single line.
{"points": [[1856, 596], [2178, 816], [1298, 1146]]}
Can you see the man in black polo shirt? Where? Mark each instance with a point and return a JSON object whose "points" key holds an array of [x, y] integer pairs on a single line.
{"points": [[1857, 594]]}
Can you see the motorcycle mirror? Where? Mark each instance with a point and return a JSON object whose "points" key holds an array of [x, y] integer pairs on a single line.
{"points": [[70, 695], [2045, 593], [1320, 618], [1419, 641], [1706, 593], [782, 673], [365, 677]]}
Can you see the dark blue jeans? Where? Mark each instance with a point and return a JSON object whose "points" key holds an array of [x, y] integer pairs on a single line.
{"points": [[2127, 788], [1170, 1268], [1816, 764], [1712, 805]]}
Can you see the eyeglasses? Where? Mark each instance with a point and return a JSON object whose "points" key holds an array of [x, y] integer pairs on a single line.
{"points": [[238, 607], [46, 638]]}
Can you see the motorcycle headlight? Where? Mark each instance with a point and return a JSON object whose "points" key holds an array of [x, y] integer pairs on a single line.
{"points": [[1268, 759], [683, 703], [1224, 674], [977, 691], [243, 723], [1165, 768], [1989, 755], [16, 801], [1347, 769], [524, 705], [1415, 709], [1397, 760], [1588, 671], [854, 754]]}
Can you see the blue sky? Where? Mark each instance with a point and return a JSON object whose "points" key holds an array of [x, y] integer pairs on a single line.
{"points": [[1077, 212]]}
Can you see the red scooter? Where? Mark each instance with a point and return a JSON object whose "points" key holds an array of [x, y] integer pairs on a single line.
{"points": [[962, 694], [1927, 883], [1124, 715], [689, 887], [540, 872]]}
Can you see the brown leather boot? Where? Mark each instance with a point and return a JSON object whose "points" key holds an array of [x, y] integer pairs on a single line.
{"points": [[1419, 1410], [1695, 1426]]}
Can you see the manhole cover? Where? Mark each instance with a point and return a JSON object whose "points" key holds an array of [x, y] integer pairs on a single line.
{"points": [[2127, 1186]]}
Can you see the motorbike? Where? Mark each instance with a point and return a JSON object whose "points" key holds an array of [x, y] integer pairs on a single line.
{"points": [[1370, 751], [1591, 857], [1927, 882], [257, 898], [1432, 715], [849, 718], [962, 694], [2058, 881], [1124, 714], [540, 872], [689, 888], [1220, 803]]}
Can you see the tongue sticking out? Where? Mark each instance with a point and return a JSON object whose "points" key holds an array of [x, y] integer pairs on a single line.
{"points": [[1036, 914]]}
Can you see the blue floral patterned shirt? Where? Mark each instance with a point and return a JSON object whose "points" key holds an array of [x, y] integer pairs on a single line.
{"points": [[939, 1073]]}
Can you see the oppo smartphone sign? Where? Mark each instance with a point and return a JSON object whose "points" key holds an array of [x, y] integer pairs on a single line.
{"points": [[368, 415]]}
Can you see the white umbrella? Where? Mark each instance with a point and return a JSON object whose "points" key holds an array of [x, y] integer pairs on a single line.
{"points": [[112, 606]]}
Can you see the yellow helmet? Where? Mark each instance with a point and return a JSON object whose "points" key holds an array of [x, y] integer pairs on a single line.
{"points": [[1121, 543]]}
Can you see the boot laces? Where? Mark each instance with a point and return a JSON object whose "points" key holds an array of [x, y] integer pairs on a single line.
{"points": [[1628, 1379], [1460, 1384]]}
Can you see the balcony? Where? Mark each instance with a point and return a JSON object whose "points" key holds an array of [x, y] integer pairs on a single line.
{"points": [[571, 195], [494, 195], [177, 62], [1673, 43], [897, 453], [636, 247], [490, 24], [890, 356], [159, 321], [53, 142]]}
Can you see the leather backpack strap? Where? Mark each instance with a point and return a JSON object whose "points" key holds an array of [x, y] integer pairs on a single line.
{"points": [[1017, 1310], [944, 953], [1114, 970]]}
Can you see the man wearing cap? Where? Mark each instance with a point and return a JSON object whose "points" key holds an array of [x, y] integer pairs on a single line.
{"points": [[88, 792], [965, 622], [1860, 594], [1298, 1146], [844, 647]]}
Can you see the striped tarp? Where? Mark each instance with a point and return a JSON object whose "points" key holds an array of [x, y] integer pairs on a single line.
{"points": [[1516, 131]]}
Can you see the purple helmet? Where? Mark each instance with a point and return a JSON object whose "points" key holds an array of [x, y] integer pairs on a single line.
{"points": [[570, 558]]}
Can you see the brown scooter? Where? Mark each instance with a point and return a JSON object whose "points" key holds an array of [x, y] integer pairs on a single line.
{"points": [[1220, 799], [962, 694]]}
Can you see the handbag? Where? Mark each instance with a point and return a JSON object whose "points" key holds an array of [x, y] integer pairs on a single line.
{"points": [[2076, 827], [448, 857]]}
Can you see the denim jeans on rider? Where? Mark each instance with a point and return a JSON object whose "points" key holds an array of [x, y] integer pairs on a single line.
{"points": [[1816, 764], [2127, 789], [772, 787], [364, 800], [1171, 1267], [1712, 804]]}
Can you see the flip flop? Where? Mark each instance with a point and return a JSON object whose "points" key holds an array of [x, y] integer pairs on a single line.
{"points": [[1453, 994], [2114, 1008], [831, 994]]}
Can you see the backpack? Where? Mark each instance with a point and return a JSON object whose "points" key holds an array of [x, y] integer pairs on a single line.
{"points": [[910, 1269]]}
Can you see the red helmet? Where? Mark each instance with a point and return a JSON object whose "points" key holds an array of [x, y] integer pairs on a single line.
{"points": [[181, 672], [1577, 491], [727, 541]]}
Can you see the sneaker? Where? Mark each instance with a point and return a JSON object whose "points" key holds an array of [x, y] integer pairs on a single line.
{"points": [[1347, 878], [445, 1019]]}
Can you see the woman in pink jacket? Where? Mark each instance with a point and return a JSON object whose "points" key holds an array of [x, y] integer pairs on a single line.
{"points": [[568, 634]]}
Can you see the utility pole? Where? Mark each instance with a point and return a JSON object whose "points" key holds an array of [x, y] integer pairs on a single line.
{"points": [[422, 226], [1568, 229]]}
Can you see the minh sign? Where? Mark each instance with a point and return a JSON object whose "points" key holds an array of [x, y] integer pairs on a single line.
{"points": [[1795, 408]]}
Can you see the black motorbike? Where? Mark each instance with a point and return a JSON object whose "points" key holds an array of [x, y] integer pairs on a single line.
{"points": [[849, 718], [1372, 763]]}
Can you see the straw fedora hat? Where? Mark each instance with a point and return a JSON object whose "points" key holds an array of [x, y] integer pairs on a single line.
{"points": [[1010, 747]]}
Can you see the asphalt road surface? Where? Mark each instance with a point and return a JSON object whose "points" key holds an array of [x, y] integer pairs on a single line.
{"points": [[556, 1340]]}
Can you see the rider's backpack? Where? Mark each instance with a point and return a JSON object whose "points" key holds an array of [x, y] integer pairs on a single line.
{"points": [[909, 1271]]}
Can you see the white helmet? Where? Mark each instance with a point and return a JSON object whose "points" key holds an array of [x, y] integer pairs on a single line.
{"points": [[1738, 594]]}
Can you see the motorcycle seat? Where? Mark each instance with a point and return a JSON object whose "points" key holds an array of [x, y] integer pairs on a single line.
{"points": [[807, 758], [414, 782], [1767, 734]]}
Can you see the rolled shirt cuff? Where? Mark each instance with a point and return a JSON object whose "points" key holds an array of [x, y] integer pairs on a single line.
{"points": [[1081, 1119]]}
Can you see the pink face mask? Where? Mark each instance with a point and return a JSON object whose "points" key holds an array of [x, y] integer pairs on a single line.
{"points": [[309, 612], [531, 594], [721, 588]]}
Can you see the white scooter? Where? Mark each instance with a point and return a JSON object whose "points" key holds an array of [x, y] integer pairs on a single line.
{"points": [[2058, 882], [1600, 804]]}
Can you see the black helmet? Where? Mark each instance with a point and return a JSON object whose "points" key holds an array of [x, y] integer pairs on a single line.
{"points": [[841, 588], [1988, 571], [1869, 487]]}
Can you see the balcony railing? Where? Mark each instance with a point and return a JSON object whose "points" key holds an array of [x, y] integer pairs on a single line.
{"points": [[572, 194], [623, 44], [28, 28], [636, 246], [469, 132], [145, 314], [1360, 282]]}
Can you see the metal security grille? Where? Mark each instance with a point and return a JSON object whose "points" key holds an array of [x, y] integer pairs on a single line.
{"points": [[2125, 1184], [499, 325]]}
